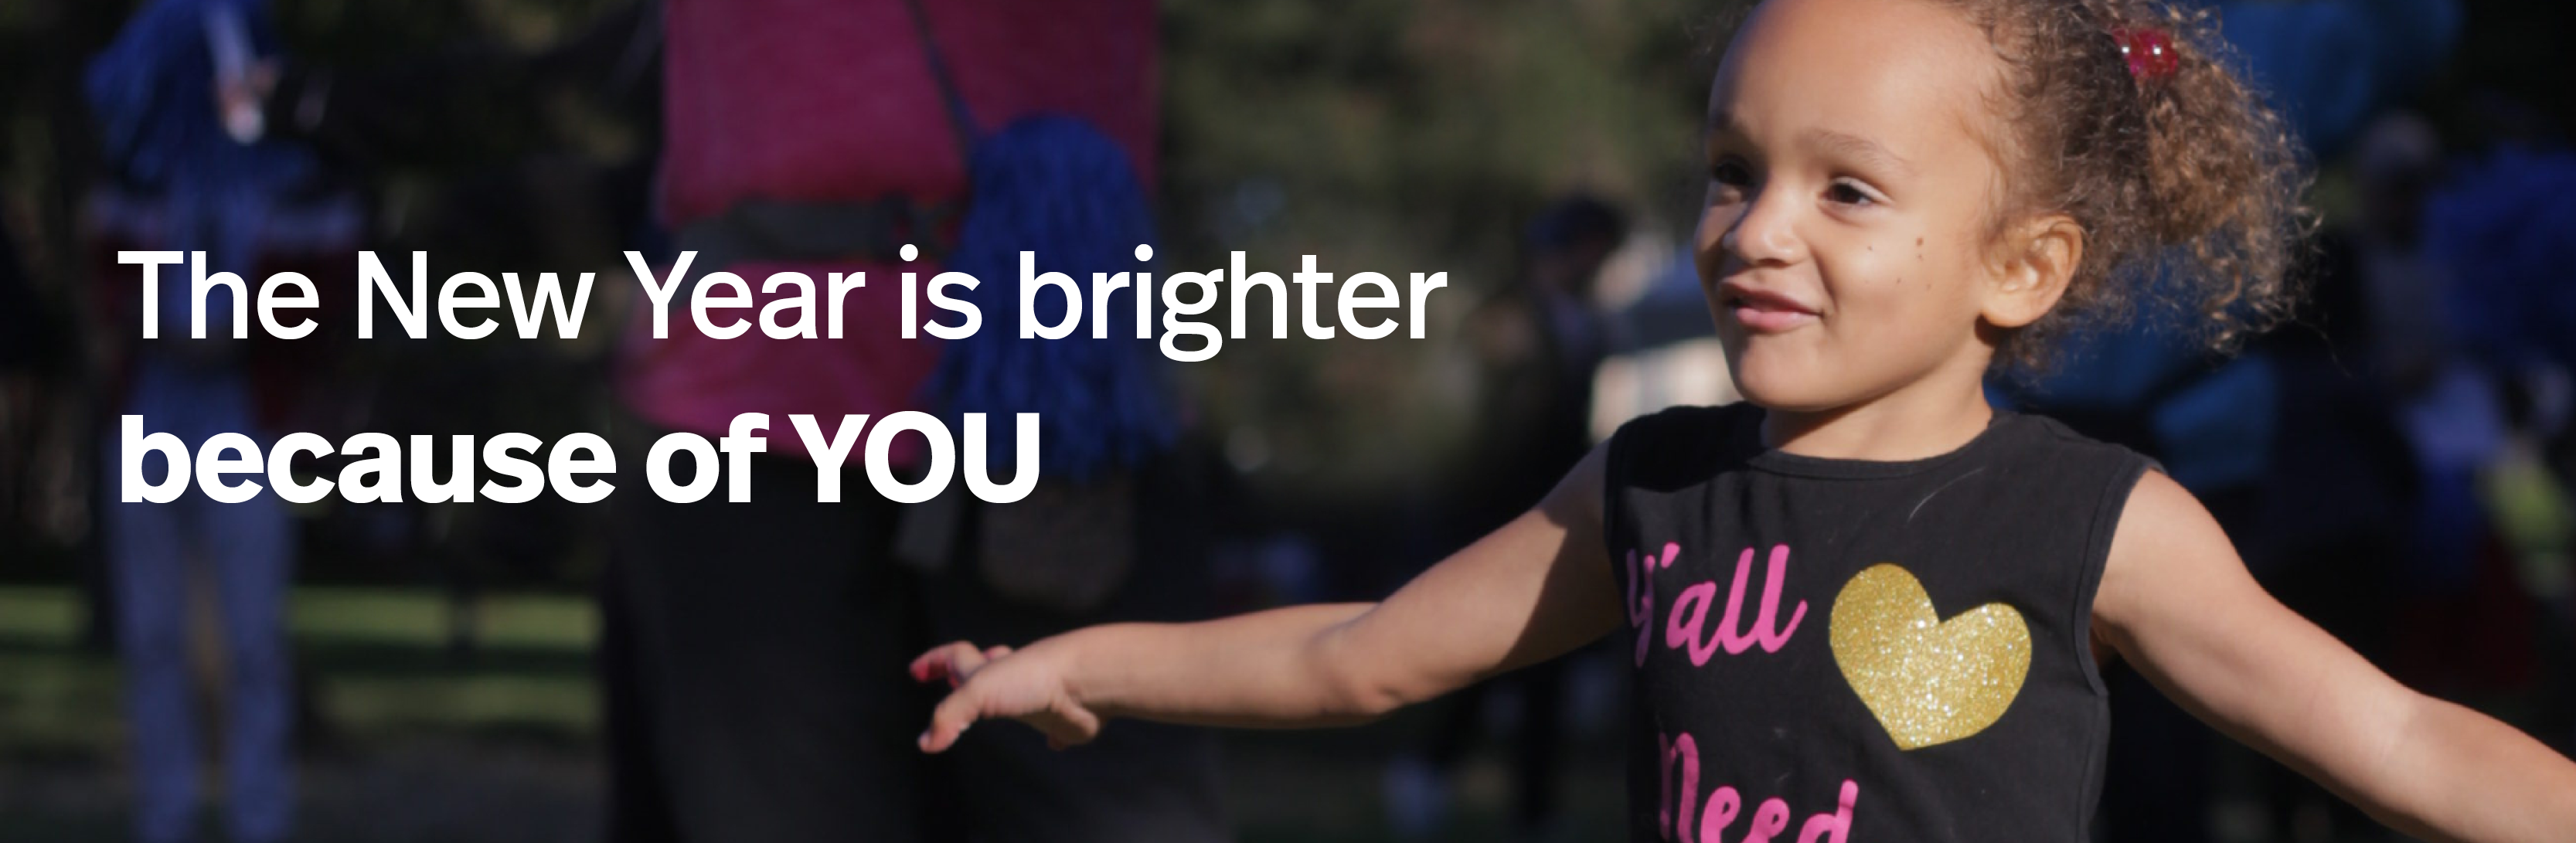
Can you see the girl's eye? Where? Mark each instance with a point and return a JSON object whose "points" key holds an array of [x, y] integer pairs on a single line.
{"points": [[1731, 173], [1844, 192]]}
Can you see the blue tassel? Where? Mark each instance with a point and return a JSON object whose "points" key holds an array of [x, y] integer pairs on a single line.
{"points": [[1057, 186], [2502, 226]]}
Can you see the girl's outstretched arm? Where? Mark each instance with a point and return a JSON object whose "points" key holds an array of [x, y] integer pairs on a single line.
{"points": [[1536, 588], [2177, 602]]}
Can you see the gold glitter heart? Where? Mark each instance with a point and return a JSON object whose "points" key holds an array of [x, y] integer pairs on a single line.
{"points": [[1928, 681]]}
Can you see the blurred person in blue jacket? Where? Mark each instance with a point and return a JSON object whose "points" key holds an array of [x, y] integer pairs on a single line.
{"points": [[175, 97]]}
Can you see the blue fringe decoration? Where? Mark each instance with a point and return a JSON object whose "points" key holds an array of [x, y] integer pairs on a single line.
{"points": [[2505, 225], [1056, 186], [152, 90]]}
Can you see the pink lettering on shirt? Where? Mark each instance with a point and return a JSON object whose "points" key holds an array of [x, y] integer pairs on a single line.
{"points": [[1679, 806], [1834, 827], [1765, 632], [1690, 612], [1720, 813], [1641, 594], [1768, 820], [1685, 751]]}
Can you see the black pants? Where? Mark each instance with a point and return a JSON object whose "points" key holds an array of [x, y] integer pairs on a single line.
{"points": [[767, 643]]}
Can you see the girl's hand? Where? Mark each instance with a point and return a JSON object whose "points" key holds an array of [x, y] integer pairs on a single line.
{"points": [[1532, 590], [2178, 603], [1026, 686]]}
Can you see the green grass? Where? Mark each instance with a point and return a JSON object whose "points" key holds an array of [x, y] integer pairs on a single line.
{"points": [[38, 614], [377, 660], [423, 745], [419, 618], [429, 747], [337, 616]]}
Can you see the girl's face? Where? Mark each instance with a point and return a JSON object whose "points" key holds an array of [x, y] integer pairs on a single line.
{"points": [[1843, 246]]}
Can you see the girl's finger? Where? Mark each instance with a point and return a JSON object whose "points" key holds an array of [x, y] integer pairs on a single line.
{"points": [[950, 720], [927, 665], [952, 661], [1068, 725]]}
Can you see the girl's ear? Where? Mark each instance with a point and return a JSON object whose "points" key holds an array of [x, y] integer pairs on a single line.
{"points": [[2039, 259]]}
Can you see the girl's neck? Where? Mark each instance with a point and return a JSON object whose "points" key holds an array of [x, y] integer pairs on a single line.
{"points": [[1913, 423]]}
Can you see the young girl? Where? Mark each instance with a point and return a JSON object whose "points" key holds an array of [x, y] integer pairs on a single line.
{"points": [[1864, 605]]}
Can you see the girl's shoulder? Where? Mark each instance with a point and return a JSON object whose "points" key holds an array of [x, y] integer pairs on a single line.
{"points": [[1681, 445], [2049, 442], [1684, 445]]}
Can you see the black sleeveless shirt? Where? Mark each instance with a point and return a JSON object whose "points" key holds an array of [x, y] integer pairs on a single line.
{"points": [[1862, 652]]}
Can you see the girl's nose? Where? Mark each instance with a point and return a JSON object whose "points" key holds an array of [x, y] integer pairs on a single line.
{"points": [[1761, 234]]}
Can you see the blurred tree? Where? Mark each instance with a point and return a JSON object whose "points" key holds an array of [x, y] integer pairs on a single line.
{"points": [[1399, 137]]}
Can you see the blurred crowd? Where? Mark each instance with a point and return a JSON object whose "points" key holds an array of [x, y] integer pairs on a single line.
{"points": [[2394, 465]]}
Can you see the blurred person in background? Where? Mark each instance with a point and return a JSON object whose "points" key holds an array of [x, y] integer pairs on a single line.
{"points": [[2503, 219], [194, 172], [528, 192], [31, 346], [2330, 521], [2449, 406], [767, 639], [1538, 344]]}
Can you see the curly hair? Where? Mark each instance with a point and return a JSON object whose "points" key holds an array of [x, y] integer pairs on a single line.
{"points": [[2186, 185]]}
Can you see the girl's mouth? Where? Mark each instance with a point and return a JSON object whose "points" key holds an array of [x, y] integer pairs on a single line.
{"points": [[1763, 311]]}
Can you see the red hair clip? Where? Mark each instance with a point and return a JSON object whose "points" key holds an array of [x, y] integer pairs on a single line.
{"points": [[2149, 51]]}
